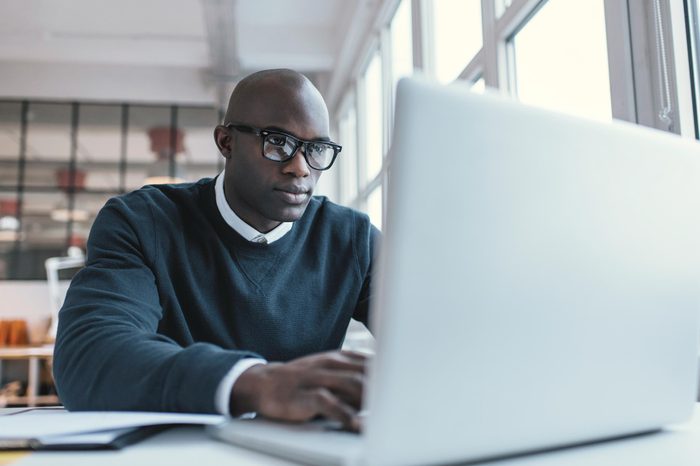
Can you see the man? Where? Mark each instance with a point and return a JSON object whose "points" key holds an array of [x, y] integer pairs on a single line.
{"points": [[229, 295]]}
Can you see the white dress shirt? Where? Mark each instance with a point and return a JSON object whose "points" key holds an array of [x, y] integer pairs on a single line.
{"points": [[223, 391]]}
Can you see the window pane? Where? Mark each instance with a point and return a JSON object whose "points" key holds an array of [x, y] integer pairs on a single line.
{"points": [[694, 18], [49, 132], [457, 25], [373, 117], [561, 59], [401, 42], [9, 231], [201, 156], [149, 144], [374, 207], [44, 230], [48, 143], [99, 146], [10, 134], [10, 122], [347, 159], [42, 235], [86, 207], [49, 222]]}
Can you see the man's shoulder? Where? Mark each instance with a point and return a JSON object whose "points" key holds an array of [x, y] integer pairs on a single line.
{"points": [[161, 192], [320, 207], [343, 230], [162, 196]]}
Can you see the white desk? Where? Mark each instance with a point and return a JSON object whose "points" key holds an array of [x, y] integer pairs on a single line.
{"points": [[189, 446]]}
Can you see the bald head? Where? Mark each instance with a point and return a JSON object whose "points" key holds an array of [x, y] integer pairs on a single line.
{"points": [[275, 91]]}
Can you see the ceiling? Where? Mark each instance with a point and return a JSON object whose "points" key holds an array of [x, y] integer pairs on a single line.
{"points": [[227, 38], [123, 32]]}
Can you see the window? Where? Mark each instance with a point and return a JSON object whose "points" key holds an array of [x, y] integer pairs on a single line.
{"points": [[347, 159], [9, 230], [374, 118], [597, 59], [694, 28], [10, 129], [48, 143], [199, 151], [374, 207], [561, 59], [457, 36], [78, 155], [152, 145], [362, 173], [99, 149], [401, 43]]}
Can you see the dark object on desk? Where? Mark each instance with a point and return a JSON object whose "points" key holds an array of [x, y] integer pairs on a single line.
{"points": [[56, 429], [109, 440]]}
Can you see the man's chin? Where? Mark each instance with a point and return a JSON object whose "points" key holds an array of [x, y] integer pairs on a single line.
{"points": [[292, 213]]}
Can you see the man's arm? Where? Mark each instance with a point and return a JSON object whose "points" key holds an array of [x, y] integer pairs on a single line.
{"points": [[108, 353]]}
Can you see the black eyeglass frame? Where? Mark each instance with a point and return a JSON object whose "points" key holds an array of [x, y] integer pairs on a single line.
{"points": [[263, 133]]}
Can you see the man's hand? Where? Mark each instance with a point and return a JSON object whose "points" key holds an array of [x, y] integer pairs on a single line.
{"points": [[328, 384]]}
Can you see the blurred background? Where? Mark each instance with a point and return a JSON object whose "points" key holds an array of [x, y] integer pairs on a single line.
{"points": [[98, 98]]}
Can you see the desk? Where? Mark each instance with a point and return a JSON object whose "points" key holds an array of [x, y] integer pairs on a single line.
{"points": [[189, 446], [32, 354]]}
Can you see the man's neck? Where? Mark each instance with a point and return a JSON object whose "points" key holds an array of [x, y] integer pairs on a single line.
{"points": [[242, 224]]}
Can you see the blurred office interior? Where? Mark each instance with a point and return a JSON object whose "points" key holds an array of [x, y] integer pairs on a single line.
{"points": [[98, 98]]}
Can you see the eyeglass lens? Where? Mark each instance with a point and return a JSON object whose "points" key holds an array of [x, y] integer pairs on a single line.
{"points": [[280, 147]]}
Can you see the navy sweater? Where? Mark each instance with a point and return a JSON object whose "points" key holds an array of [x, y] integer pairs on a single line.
{"points": [[172, 297]]}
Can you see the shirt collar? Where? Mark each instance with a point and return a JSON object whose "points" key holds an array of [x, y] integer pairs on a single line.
{"points": [[242, 228]]}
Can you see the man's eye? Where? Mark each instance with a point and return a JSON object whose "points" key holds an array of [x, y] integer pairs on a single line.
{"points": [[277, 140], [317, 148]]}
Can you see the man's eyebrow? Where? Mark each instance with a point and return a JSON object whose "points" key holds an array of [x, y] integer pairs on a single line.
{"points": [[282, 130]]}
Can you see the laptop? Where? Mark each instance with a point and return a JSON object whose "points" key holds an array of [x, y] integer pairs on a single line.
{"points": [[539, 287]]}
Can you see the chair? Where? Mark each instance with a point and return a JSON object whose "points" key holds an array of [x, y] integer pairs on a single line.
{"points": [[58, 288]]}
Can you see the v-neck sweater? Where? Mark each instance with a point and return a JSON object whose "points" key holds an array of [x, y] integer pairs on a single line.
{"points": [[171, 298]]}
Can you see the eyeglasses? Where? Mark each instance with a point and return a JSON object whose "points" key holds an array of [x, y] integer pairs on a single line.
{"points": [[279, 146]]}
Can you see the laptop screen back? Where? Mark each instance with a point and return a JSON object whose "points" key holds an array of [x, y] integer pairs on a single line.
{"points": [[540, 280]]}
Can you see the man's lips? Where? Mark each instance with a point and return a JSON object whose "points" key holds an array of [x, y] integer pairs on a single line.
{"points": [[295, 195], [293, 189]]}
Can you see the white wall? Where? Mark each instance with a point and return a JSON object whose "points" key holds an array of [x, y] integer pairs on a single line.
{"points": [[28, 300], [83, 82]]}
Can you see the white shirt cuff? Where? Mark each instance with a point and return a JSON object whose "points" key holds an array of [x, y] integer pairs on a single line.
{"points": [[223, 391]]}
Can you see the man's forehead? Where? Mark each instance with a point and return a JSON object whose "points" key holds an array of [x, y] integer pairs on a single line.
{"points": [[298, 128], [298, 109]]}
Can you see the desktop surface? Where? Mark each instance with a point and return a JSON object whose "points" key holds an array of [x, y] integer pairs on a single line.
{"points": [[189, 446]]}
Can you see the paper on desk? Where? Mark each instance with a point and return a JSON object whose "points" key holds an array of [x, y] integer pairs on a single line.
{"points": [[37, 425]]}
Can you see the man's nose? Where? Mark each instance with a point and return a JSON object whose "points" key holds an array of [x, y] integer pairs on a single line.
{"points": [[297, 166]]}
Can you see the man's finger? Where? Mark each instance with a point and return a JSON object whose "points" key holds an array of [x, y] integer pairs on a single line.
{"points": [[341, 362], [355, 355], [348, 385], [331, 407]]}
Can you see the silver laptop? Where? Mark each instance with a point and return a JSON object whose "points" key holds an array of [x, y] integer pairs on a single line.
{"points": [[539, 287]]}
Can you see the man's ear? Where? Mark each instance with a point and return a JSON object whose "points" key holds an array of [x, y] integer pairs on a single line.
{"points": [[222, 137]]}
